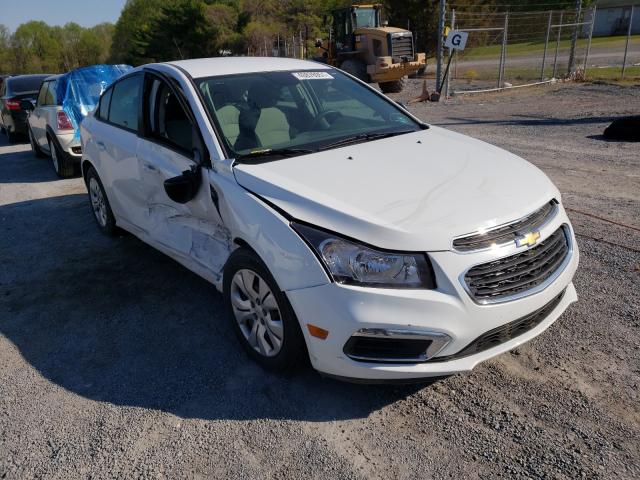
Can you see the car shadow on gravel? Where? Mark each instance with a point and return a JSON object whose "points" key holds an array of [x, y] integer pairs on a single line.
{"points": [[23, 166], [115, 321]]}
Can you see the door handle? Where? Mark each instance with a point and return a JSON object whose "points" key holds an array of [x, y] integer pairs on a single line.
{"points": [[101, 146], [150, 166]]}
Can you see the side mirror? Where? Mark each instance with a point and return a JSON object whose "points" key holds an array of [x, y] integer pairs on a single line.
{"points": [[184, 187], [26, 105]]}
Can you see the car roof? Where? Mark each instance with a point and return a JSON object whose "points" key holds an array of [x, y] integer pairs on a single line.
{"points": [[37, 75], [52, 77], [210, 67]]}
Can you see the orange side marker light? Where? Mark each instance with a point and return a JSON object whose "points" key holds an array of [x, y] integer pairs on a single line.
{"points": [[317, 332]]}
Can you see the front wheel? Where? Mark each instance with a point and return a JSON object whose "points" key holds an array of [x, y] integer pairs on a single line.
{"points": [[260, 313], [34, 146], [355, 67], [392, 87]]}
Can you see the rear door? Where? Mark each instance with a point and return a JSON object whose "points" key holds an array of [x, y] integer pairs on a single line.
{"points": [[115, 134], [192, 230], [37, 118]]}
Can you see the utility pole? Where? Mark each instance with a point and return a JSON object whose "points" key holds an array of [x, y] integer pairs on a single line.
{"points": [[503, 52], [546, 45], [574, 38], [626, 45], [586, 55], [440, 47], [452, 52]]}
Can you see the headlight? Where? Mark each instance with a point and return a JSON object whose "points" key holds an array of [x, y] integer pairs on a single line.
{"points": [[354, 264]]}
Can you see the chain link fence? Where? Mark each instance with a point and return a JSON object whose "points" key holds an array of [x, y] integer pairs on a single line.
{"points": [[507, 50]]}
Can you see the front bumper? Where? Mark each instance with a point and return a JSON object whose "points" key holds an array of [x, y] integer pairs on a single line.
{"points": [[384, 70], [344, 310]]}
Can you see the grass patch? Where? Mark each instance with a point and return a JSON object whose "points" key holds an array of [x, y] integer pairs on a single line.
{"points": [[617, 42]]}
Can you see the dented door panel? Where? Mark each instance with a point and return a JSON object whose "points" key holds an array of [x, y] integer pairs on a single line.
{"points": [[193, 230]]}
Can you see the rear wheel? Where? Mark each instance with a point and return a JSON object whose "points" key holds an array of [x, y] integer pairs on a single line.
{"points": [[34, 146], [100, 204], [62, 164], [260, 313], [11, 137], [392, 87], [355, 67]]}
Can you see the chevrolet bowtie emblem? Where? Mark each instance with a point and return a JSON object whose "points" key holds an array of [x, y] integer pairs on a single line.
{"points": [[528, 239]]}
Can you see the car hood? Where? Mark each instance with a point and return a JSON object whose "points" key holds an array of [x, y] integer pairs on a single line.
{"points": [[412, 192]]}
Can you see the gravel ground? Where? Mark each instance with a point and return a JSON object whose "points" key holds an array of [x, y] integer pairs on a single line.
{"points": [[115, 362]]}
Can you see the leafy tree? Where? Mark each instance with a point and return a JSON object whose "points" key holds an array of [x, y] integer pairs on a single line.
{"points": [[181, 31], [35, 48], [135, 21]]}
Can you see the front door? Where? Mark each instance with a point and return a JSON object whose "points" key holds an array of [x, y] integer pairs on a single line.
{"points": [[192, 230], [37, 118]]}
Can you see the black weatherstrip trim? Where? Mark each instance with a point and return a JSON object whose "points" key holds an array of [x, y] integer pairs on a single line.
{"points": [[204, 107]]}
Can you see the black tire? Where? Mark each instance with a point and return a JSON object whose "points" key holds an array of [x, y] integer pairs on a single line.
{"points": [[392, 87], [35, 148], [62, 164], [357, 68], [292, 351], [11, 137], [106, 224]]}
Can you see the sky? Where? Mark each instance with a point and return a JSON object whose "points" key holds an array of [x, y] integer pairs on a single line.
{"points": [[58, 12]]}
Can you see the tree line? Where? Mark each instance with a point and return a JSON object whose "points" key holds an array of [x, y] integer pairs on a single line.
{"points": [[160, 30]]}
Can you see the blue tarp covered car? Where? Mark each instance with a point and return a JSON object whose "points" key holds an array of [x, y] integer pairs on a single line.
{"points": [[80, 89]]}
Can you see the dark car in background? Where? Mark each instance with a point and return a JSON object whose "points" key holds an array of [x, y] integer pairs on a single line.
{"points": [[13, 119]]}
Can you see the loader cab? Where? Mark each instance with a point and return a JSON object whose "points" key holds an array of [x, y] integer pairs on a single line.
{"points": [[347, 20]]}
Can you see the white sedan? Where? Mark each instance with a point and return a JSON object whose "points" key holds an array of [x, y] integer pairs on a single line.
{"points": [[336, 225]]}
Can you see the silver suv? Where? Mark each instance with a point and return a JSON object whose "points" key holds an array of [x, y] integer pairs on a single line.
{"points": [[51, 131]]}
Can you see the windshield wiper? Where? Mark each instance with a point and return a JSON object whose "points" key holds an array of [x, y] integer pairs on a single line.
{"points": [[274, 152], [363, 137]]}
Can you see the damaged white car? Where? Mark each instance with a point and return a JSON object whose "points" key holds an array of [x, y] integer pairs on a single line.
{"points": [[335, 223]]}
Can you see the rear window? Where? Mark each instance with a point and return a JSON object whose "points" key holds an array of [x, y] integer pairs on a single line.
{"points": [[125, 100], [25, 84]]}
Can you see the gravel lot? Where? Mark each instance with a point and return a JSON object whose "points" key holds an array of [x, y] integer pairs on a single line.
{"points": [[115, 362]]}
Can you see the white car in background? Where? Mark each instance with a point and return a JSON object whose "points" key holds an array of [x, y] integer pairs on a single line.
{"points": [[335, 224], [51, 131]]}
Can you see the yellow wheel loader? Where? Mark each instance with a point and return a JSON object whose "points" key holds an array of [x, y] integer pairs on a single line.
{"points": [[361, 45]]}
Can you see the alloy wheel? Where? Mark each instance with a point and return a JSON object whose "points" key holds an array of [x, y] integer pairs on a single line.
{"points": [[97, 202], [256, 310]]}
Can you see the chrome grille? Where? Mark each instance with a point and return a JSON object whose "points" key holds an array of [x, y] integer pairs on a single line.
{"points": [[514, 275], [506, 233], [401, 46]]}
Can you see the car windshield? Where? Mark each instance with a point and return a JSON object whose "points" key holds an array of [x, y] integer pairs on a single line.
{"points": [[366, 17], [295, 112]]}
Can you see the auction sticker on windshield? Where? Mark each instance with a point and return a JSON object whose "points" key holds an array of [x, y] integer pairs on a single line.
{"points": [[312, 75]]}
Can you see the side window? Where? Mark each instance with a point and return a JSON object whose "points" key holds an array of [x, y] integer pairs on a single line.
{"points": [[125, 101], [50, 97], [103, 109], [42, 95], [168, 122]]}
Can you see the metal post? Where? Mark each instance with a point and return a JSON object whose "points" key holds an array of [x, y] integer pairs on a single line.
{"points": [[586, 55], [555, 60], [626, 46], [574, 38], [546, 44], [440, 43], [452, 52], [503, 52]]}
